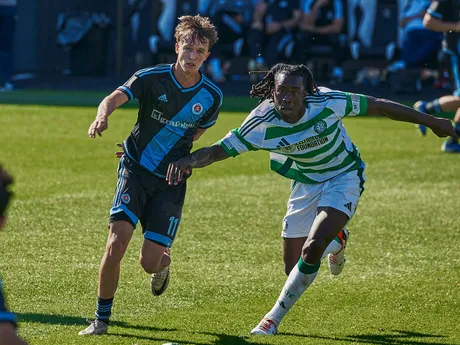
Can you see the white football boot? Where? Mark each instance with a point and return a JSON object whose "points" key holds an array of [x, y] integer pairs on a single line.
{"points": [[160, 280], [96, 327], [265, 327]]}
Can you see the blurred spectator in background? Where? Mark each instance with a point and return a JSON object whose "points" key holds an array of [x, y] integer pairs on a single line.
{"points": [[232, 19], [165, 17], [321, 23], [271, 39], [419, 44], [444, 16], [256, 37], [7, 28]]}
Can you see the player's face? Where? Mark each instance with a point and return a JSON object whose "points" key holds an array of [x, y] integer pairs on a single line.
{"points": [[191, 53], [289, 97]]}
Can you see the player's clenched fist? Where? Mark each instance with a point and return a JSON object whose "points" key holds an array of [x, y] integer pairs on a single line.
{"points": [[99, 125]]}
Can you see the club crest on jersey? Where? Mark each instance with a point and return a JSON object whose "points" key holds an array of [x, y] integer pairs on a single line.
{"points": [[125, 198], [320, 126], [197, 108]]}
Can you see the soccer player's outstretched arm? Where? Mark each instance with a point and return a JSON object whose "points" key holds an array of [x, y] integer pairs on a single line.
{"points": [[396, 111], [198, 159], [113, 101]]}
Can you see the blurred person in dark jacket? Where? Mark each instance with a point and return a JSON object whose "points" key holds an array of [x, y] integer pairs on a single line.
{"points": [[322, 23], [271, 38], [444, 16], [419, 43], [232, 19]]}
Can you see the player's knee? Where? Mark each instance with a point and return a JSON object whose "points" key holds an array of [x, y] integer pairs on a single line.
{"points": [[313, 249], [116, 248]]}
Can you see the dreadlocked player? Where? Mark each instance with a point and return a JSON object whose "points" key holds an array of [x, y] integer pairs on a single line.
{"points": [[300, 124]]}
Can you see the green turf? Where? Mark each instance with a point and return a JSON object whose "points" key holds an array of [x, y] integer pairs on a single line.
{"points": [[401, 284]]}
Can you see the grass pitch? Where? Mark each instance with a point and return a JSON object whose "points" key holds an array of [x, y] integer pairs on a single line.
{"points": [[401, 283]]}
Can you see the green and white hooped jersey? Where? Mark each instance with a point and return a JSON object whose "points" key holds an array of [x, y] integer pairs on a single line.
{"points": [[313, 150]]}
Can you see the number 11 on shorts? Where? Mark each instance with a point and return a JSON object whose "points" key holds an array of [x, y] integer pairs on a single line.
{"points": [[173, 223]]}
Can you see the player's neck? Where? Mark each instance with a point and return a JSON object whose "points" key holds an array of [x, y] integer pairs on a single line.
{"points": [[186, 80]]}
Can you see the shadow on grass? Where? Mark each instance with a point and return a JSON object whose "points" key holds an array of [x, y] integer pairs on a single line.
{"points": [[222, 339], [52, 319], [141, 337], [226, 339], [383, 337], [396, 337]]}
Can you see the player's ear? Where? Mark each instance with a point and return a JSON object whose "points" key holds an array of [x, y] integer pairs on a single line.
{"points": [[207, 55], [177, 48]]}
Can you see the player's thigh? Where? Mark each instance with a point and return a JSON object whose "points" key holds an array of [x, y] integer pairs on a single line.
{"points": [[327, 225], [301, 210], [163, 213], [343, 192], [130, 195], [292, 249], [337, 204]]}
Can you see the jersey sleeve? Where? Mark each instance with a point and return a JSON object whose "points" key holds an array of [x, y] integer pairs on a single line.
{"points": [[5, 315], [438, 9], [135, 86], [356, 104], [247, 137]]}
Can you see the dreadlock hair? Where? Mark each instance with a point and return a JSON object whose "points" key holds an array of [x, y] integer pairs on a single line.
{"points": [[5, 194], [265, 88]]}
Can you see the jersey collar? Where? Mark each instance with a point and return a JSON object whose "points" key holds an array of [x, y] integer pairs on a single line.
{"points": [[180, 87]]}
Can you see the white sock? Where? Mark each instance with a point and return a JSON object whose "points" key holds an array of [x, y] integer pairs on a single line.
{"points": [[300, 278], [333, 248]]}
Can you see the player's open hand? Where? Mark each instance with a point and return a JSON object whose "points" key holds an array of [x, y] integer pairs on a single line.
{"points": [[442, 128], [120, 153], [177, 171], [99, 125]]}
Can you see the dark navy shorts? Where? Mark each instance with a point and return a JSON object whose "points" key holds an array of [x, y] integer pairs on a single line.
{"points": [[145, 197]]}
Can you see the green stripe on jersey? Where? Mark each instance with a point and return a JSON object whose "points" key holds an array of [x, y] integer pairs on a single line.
{"points": [[293, 174], [362, 105], [232, 152], [326, 159], [349, 106], [276, 132], [346, 162]]}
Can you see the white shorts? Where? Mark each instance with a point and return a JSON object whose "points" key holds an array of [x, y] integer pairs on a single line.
{"points": [[341, 192]]}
